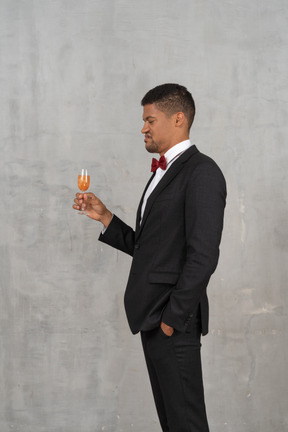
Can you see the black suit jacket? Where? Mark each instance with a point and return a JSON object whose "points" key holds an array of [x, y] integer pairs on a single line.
{"points": [[176, 248]]}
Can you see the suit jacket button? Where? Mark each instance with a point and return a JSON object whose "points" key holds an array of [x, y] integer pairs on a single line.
{"points": [[137, 246]]}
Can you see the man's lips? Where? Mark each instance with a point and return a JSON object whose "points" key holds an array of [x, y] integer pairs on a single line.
{"points": [[147, 137]]}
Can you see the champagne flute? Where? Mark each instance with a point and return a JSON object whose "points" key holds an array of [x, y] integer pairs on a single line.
{"points": [[83, 184]]}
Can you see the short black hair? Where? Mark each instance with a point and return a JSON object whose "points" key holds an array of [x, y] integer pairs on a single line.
{"points": [[170, 99]]}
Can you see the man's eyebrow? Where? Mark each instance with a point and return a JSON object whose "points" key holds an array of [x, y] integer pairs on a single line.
{"points": [[148, 117]]}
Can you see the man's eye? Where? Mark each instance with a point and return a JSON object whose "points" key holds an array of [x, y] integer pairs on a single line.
{"points": [[150, 121]]}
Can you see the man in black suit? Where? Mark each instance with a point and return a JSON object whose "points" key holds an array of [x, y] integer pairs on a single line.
{"points": [[175, 250]]}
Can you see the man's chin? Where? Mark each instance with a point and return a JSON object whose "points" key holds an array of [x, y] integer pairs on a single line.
{"points": [[150, 148]]}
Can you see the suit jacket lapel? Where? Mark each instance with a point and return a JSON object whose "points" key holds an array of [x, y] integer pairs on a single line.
{"points": [[166, 179], [138, 217]]}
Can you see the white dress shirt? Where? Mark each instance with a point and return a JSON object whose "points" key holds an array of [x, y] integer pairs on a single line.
{"points": [[171, 155]]}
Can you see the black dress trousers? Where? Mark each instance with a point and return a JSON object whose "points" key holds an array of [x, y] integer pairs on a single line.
{"points": [[174, 366]]}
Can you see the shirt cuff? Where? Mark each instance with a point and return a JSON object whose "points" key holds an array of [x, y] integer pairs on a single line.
{"points": [[104, 229]]}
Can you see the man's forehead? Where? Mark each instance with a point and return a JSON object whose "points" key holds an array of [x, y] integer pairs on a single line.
{"points": [[151, 110]]}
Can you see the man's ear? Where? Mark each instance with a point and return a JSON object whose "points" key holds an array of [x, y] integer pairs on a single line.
{"points": [[179, 119]]}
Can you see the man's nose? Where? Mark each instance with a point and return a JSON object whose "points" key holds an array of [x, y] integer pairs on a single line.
{"points": [[145, 128]]}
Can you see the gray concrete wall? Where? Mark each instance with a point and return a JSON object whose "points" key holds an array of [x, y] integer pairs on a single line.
{"points": [[72, 74]]}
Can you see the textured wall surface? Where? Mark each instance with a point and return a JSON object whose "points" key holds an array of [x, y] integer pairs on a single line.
{"points": [[72, 74]]}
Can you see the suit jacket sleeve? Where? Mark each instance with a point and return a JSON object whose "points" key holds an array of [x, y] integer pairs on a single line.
{"points": [[119, 235], [203, 215]]}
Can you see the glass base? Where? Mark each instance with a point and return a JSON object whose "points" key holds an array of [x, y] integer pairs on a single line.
{"points": [[82, 212]]}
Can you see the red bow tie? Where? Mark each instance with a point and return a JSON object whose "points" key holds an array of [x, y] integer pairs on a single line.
{"points": [[158, 164]]}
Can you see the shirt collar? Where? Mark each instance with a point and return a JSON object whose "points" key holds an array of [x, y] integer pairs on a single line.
{"points": [[176, 150]]}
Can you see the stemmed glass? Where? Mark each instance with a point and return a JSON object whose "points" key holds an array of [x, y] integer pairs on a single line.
{"points": [[83, 184]]}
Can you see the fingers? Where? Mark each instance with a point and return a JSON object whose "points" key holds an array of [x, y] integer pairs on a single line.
{"points": [[91, 204], [78, 201], [82, 199]]}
